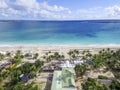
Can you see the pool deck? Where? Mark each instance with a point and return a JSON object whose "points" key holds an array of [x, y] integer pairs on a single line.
{"points": [[58, 81]]}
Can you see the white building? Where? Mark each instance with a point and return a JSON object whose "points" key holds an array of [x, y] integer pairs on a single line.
{"points": [[3, 53], [72, 65]]}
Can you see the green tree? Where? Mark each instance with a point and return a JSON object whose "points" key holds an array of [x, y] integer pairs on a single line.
{"points": [[26, 55], [1, 88], [102, 77], [35, 56], [8, 54], [56, 55], [92, 84], [39, 63], [17, 59], [115, 85], [80, 69], [73, 54], [2, 56], [18, 52]]}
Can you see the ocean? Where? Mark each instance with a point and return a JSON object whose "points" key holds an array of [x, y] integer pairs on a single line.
{"points": [[60, 32]]}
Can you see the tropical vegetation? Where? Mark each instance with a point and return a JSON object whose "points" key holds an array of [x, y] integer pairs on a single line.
{"points": [[102, 77], [92, 84], [52, 56], [12, 74], [115, 85], [80, 69]]}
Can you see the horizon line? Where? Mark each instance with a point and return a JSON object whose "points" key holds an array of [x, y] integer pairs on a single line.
{"points": [[54, 20]]}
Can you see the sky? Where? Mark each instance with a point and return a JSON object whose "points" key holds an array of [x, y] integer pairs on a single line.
{"points": [[59, 9]]}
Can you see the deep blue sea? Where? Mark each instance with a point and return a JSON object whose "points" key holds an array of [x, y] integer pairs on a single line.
{"points": [[60, 32]]}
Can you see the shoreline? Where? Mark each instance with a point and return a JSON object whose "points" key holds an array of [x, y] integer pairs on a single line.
{"points": [[62, 49], [63, 45], [56, 48]]}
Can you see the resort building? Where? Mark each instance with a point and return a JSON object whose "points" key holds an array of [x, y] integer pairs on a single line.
{"points": [[3, 53], [5, 64], [59, 64], [64, 79], [71, 65]]}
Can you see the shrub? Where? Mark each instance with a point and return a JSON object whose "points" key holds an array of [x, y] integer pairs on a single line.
{"points": [[102, 77]]}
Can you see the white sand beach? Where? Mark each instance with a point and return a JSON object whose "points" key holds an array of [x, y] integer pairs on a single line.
{"points": [[62, 49]]}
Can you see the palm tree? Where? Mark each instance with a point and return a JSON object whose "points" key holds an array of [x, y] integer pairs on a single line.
{"points": [[84, 58], [17, 60], [80, 70], [44, 57], [62, 56], [18, 86], [18, 52], [26, 55], [56, 55], [100, 52], [70, 54], [103, 50], [1, 88], [88, 55], [83, 52], [36, 56], [8, 54], [1, 78], [2, 56], [11, 69], [115, 85], [108, 49], [76, 52]]}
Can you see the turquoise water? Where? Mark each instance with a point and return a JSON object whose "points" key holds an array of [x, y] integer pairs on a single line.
{"points": [[60, 32]]}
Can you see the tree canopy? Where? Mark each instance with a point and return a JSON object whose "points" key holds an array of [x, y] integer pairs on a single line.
{"points": [[92, 84], [80, 69]]}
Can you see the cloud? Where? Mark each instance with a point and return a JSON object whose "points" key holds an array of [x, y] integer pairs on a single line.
{"points": [[53, 12], [25, 4], [88, 13], [113, 11], [3, 4], [32, 9]]}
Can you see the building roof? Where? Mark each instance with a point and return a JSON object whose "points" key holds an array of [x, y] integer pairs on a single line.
{"points": [[68, 77], [64, 79]]}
